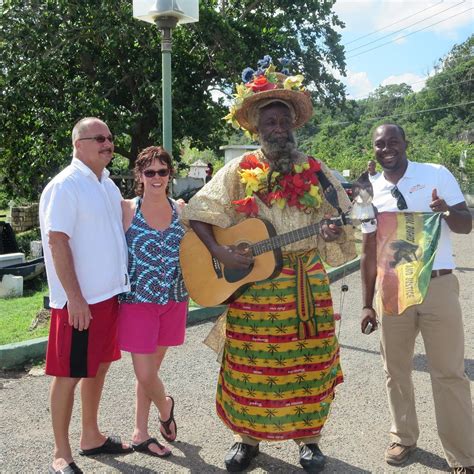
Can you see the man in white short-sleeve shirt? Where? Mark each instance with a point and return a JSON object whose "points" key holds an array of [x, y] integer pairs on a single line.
{"points": [[86, 264], [373, 173], [424, 187]]}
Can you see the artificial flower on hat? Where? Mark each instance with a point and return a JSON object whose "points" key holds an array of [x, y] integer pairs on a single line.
{"points": [[267, 84]]}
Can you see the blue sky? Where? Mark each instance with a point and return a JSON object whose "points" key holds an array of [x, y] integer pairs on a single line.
{"points": [[407, 59]]}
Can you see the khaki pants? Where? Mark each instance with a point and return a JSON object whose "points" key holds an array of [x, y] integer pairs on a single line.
{"points": [[439, 320], [254, 441]]}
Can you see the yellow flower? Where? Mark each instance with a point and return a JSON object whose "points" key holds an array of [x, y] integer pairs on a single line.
{"points": [[252, 179], [230, 117], [314, 191], [242, 92], [294, 82], [281, 202]]}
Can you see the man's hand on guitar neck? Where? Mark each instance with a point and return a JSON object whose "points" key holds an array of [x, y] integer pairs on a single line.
{"points": [[330, 232], [232, 256]]}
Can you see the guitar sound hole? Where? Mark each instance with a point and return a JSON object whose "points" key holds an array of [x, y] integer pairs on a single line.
{"points": [[233, 275]]}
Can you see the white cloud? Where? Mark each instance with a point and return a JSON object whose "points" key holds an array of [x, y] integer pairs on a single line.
{"points": [[366, 16], [358, 84], [415, 81]]}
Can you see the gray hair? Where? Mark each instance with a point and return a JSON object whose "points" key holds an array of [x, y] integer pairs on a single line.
{"points": [[82, 125]]}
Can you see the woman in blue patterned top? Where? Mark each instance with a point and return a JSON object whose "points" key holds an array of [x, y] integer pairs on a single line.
{"points": [[153, 314]]}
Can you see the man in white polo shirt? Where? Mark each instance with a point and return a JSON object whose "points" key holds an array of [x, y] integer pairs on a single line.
{"points": [[86, 264], [408, 186], [373, 173]]}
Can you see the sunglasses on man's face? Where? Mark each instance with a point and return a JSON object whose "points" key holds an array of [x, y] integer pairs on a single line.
{"points": [[152, 173], [99, 138], [401, 203]]}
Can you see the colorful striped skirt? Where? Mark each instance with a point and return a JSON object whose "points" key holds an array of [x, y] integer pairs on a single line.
{"points": [[281, 358]]}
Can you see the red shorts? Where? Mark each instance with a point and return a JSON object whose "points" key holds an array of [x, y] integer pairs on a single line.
{"points": [[74, 353]]}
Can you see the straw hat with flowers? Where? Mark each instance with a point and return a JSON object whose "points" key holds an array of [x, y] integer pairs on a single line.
{"points": [[264, 86]]}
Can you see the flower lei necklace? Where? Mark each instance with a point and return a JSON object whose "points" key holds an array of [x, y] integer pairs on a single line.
{"points": [[299, 188]]}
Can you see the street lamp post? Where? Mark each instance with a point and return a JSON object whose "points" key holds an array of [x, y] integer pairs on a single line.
{"points": [[166, 14]]}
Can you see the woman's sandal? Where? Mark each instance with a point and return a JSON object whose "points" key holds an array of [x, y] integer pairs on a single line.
{"points": [[145, 448], [167, 433]]}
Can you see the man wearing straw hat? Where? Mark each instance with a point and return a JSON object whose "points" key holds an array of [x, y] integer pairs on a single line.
{"points": [[280, 364]]}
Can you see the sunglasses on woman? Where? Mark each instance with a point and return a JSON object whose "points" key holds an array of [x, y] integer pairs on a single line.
{"points": [[152, 173]]}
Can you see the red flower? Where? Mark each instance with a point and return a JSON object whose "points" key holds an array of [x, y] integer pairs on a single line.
{"points": [[247, 206], [251, 162], [260, 84], [298, 181]]}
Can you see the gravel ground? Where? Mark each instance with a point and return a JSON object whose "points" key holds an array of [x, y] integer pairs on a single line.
{"points": [[355, 435]]}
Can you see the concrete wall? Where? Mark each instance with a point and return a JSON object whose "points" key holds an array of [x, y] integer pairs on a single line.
{"points": [[24, 218], [184, 184]]}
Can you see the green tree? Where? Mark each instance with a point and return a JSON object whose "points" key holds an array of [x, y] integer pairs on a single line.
{"points": [[63, 60]]}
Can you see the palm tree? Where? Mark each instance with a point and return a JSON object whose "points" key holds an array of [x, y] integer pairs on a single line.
{"points": [[270, 413], [299, 410], [272, 317], [301, 345], [247, 346], [251, 392], [280, 360], [255, 297], [278, 425], [274, 285], [271, 381], [245, 378], [252, 360], [300, 378], [307, 420], [281, 329], [272, 348], [278, 393], [280, 298]]}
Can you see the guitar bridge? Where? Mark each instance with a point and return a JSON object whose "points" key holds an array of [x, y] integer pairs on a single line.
{"points": [[217, 267]]}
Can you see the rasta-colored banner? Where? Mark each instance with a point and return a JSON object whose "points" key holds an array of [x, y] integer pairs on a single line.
{"points": [[406, 247]]}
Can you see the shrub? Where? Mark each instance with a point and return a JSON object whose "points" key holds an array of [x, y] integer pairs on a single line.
{"points": [[24, 238]]}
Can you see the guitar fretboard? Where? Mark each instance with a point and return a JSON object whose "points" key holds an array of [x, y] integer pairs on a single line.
{"points": [[289, 237]]}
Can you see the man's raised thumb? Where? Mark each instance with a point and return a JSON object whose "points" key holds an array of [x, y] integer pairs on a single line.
{"points": [[434, 194]]}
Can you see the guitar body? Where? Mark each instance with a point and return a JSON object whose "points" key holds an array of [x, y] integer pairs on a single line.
{"points": [[208, 282]]}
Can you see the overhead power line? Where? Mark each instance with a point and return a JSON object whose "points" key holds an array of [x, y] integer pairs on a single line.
{"points": [[409, 34], [415, 112], [406, 27], [391, 24]]}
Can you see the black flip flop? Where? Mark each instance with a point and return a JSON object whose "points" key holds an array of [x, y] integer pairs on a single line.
{"points": [[145, 448], [166, 424], [112, 445]]}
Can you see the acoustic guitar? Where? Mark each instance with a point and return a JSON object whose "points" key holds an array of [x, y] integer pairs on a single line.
{"points": [[210, 283]]}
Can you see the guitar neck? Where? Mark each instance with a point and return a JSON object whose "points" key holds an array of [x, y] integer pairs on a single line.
{"points": [[293, 236]]}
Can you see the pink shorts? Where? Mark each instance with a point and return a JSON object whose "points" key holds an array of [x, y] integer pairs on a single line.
{"points": [[142, 327]]}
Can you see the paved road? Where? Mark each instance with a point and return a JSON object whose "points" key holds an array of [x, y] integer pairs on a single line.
{"points": [[354, 439]]}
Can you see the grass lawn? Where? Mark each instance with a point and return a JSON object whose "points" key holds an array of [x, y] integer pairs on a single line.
{"points": [[16, 314]]}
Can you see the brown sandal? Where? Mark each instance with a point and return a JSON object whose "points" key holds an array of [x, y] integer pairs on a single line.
{"points": [[166, 431]]}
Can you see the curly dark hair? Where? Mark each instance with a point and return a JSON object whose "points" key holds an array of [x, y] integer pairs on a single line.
{"points": [[145, 159]]}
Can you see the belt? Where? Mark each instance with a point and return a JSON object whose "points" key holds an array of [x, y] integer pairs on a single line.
{"points": [[438, 273]]}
